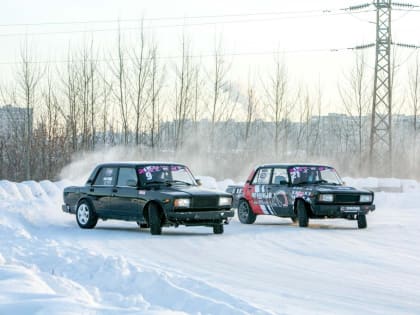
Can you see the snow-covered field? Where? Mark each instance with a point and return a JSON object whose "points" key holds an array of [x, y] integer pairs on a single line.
{"points": [[48, 265]]}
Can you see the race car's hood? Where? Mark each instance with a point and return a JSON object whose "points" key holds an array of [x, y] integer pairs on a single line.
{"points": [[339, 189], [193, 191]]}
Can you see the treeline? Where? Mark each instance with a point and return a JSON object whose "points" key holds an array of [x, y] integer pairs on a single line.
{"points": [[184, 108]]}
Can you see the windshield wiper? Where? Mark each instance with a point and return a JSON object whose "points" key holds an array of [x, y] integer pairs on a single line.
{"points": [[178, 182], [159, 182]]}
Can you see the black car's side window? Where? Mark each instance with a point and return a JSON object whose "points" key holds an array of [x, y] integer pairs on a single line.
{"points": [[127, 177], [279, 176], [106, 177], [262, 177]]}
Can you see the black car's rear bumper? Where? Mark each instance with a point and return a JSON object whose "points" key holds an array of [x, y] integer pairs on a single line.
{"points": [[199, 217], [340, 211], [68, 209]]}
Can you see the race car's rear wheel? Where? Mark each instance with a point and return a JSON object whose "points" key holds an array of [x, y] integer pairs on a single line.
{"points": [[218, 229], [155, 220], [361, 221], [245, 214], [302, 213], [85, 216]]}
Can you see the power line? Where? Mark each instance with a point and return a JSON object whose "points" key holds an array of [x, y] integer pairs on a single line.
{"points": [[145, 19], [273, 53], [174, 25]]}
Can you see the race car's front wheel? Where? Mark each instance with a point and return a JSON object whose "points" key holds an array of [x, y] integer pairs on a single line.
{"points": [[218, 229], [361, 221], [245, 214], [155, 220], [302, 213], [85, 216]]}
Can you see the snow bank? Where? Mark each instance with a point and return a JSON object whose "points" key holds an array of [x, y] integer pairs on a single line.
{"points": [[50, 266]]}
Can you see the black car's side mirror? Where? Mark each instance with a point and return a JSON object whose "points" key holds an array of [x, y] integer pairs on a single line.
{"points": [[284, 182]]}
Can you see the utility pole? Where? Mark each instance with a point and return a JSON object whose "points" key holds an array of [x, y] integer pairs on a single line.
{"points": [[380, 149], [380, 146]]}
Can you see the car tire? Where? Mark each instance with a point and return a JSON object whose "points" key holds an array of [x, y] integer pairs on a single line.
{"points": [[302, 213], [218, 229], [85, 215], [155, 220], [245, 214], [361, 221]]}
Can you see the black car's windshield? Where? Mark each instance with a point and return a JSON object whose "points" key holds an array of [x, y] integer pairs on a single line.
{"points": [[165, 174], [302, 175]]}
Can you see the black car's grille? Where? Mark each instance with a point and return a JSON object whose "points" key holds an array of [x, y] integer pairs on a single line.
{"points": [[205, 202], [346, 198]]}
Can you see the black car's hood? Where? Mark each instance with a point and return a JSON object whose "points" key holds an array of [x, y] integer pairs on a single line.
{"points": [[191, 191]]}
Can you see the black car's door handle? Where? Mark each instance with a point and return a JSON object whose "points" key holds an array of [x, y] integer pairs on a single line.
{"points": [[91, 189], [114, 190]]}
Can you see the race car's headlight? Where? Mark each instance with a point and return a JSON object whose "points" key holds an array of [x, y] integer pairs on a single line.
{"points": [[326, 197], [225, 201], [182, 203], [365, 198]]}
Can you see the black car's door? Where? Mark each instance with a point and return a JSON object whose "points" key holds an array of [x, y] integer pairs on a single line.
{"points": [[101, 190], [126, 197], [278, 192]]}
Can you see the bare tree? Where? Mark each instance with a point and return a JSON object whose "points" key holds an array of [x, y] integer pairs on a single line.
{"points": [[356, 97], [29, 78], [414, 99]]}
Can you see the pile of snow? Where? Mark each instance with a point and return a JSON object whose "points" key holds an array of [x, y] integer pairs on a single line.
{"points": [[384, 184], [48, 265]]}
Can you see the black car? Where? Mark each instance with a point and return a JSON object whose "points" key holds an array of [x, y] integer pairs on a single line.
{"points": [[152, 194], [300, 192]]}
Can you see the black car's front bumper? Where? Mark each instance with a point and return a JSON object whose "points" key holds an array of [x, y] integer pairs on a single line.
{"points": [[199, 217], [340, 211]]}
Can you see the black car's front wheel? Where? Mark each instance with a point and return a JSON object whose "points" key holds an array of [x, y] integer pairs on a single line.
{"points": [[155, 220], [361, 221], [85, 216], [245, 214], [218, 229], [302, 213]]}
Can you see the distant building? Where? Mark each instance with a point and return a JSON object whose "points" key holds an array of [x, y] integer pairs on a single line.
{"points": [[14, 120]]}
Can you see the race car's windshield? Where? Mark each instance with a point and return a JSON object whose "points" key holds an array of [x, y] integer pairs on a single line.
{"points": [[165, 174], [300, 175]]}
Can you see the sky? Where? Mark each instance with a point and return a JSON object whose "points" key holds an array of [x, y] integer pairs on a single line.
{"points": [[312, 36]]}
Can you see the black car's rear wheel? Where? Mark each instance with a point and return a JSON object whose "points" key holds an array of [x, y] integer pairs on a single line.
{"points": [[302, 213], [361, 221], [155, 220], [218, 229], [245, 214], [85, 216]]}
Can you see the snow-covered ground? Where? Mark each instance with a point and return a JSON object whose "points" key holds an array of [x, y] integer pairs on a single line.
{"points": [[48, 265]]}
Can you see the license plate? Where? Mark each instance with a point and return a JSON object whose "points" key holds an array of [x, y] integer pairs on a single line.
{"points": [[350, 209]]}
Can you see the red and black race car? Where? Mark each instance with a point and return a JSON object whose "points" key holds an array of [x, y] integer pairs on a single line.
{"points": [[300, 192]]}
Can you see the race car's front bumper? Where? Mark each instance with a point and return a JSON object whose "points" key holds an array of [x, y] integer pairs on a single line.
{"points": [[340, 211]]}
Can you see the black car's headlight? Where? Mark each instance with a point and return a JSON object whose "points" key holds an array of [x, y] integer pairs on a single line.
{"points": [[182, 203], [365, 198], [326, 197], [225, 201]]}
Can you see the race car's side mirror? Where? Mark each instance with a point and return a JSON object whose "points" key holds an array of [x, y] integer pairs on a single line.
{"points": [[198, 181]]}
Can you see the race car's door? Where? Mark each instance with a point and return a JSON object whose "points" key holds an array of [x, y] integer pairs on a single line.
{"points": [[278, 192]]}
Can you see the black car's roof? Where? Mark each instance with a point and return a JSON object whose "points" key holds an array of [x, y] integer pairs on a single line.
{"points": [[137, 163], [287, 165]]}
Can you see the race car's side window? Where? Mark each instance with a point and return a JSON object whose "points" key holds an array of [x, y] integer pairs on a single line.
{"points": [[127, 175], [262, 177], [279, 176], [106, 177]]}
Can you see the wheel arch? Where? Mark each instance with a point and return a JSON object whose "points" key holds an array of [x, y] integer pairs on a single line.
{"points": [[307, 206], [146, 207]]}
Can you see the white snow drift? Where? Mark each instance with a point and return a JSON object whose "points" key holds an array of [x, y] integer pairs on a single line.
{"points": [[50, 266]]}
